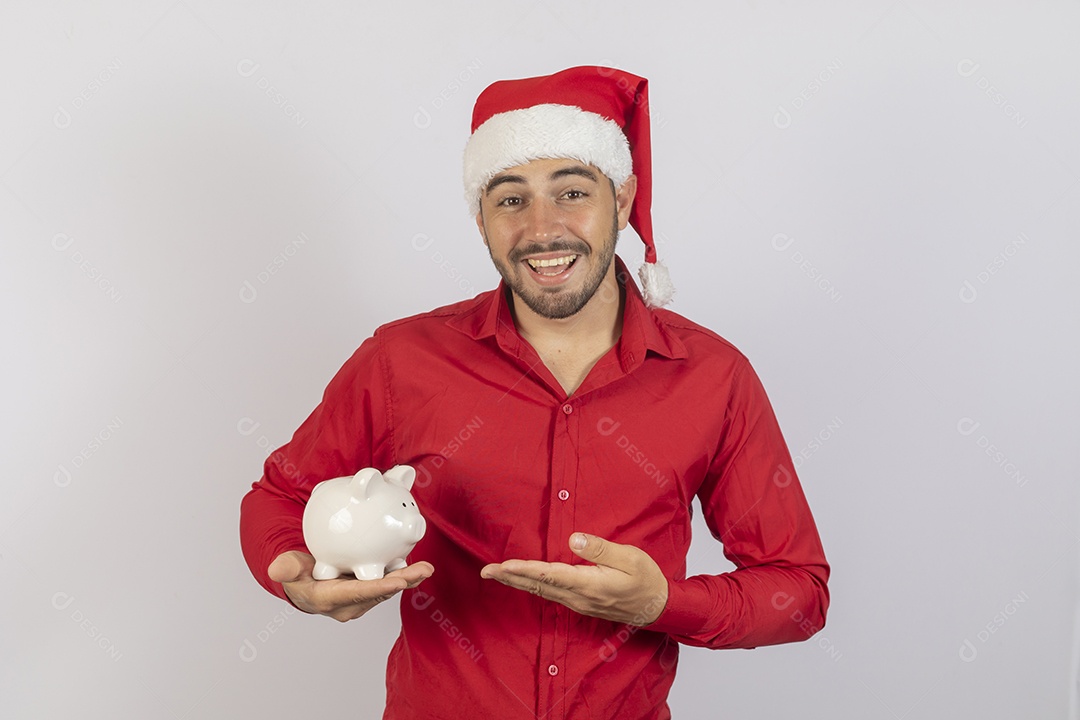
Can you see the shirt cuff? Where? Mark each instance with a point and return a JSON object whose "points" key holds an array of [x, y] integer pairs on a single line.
{"points": [[687, 610]]}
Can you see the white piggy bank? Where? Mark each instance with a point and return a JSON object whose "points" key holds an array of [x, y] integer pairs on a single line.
{"points": [[363, 524]]}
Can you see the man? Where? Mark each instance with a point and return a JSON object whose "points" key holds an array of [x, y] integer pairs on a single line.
{"points": [[561, 426]]}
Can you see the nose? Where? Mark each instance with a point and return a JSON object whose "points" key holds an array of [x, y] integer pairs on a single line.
{"points": [[543, 221]]}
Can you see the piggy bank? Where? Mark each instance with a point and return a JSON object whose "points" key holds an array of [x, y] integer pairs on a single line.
{"points": [[364, 524]]}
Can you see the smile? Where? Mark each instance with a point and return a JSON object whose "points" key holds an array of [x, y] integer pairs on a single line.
{"points": [[551, 266]]}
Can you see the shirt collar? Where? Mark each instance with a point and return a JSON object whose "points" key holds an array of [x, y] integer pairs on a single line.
{"points": [[642, 330]]}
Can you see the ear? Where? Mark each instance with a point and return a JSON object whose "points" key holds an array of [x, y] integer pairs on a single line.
{"points": [[624, 200], [361, 482], [401, 475]]}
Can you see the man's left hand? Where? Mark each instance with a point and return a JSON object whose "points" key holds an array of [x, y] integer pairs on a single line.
{"points": [[624, 585]]}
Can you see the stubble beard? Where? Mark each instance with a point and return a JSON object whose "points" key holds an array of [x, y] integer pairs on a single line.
{"points": [[556, 303]]}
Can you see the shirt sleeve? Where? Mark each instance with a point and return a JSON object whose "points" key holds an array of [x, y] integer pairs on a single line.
{"points": [[350, 426], [753, 503]]}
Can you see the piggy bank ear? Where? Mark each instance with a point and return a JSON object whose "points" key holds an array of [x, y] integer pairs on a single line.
{"points": [[401, 475], [361, 482]]}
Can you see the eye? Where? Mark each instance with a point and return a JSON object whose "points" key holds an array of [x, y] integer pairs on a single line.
{"points": [[404, 505], [575, 194], [509, 201]]}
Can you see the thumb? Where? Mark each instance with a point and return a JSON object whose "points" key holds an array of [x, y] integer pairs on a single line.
{"points": [[291, 566], [592, 548]]}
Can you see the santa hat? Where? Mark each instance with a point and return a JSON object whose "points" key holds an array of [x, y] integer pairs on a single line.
{"points": [[597, 115]]}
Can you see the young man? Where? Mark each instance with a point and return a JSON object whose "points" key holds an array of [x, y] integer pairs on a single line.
{"points": [[561, 426]]}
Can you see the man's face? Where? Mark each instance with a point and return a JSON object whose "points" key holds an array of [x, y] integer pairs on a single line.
{"points": [[551, 227]]}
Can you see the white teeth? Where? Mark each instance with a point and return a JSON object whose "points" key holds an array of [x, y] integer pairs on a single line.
{"points": [[566, 260]]}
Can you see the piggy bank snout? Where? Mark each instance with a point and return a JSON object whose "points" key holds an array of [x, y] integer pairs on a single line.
{"points": [[418, 527], [412, 524], [401, 513]]}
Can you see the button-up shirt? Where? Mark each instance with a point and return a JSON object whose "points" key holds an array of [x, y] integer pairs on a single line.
{"points": [[509, 466]]}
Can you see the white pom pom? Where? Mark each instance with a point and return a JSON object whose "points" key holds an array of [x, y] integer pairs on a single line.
{"points": [[656, 285]]}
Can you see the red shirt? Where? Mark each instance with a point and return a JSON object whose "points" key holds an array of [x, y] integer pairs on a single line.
{"points": [[509, 466]]}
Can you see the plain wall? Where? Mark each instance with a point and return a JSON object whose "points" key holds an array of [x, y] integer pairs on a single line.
{"points": [[205, 207]]}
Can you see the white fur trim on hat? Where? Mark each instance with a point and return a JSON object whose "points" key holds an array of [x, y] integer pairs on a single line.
{"points": [[656, 286], [543, 131]]}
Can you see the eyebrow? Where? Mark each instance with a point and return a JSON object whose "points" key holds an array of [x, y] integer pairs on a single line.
{"points": [[574, 170], [501, 180], [578, 170]]}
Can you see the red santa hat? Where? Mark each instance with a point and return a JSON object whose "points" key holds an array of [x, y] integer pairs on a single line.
{"points": [[597, 115]]}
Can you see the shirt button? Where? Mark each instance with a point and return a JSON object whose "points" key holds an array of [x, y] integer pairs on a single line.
{"points": [[567, 408], [553, 670], [564, 495]]}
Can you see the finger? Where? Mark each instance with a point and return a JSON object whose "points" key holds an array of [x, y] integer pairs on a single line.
{"points": [[586, 589], [526, 574], [291, 566], [362, 591], [414, 574], [525, 583], [334, 595], [580, 601], [527, 568]]}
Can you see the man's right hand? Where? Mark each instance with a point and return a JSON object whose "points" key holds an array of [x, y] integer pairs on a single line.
{"points": [[343, 599]]}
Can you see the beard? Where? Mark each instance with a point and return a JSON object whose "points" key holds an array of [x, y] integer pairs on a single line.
{"points": [[556, 303]]}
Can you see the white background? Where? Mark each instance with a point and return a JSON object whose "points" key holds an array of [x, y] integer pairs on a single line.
{"points": [[205, 207]]}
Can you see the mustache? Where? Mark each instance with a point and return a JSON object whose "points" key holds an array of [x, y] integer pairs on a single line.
{"points": [[519, 253]]}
